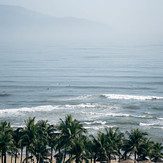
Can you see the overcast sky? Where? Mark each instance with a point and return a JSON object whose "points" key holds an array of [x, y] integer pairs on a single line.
{"points": [[132, 15]]}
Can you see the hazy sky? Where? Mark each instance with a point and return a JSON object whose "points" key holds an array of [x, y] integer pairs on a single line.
{"points": [[130, 15], [102, 10]]}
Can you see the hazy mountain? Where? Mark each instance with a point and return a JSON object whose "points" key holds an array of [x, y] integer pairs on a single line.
{"points": [[20, 23]]}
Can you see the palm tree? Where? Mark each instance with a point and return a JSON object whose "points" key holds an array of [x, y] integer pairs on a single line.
{"points": [[78, 150], [144, 148], [157, 151], [89, 145], [126, 148], [38, 148], [100, 146], [6, 139], [110, 142], [135, 139], [22, 144], [93, 147], [28, 134], [13, 152], [114, 142], [69, 130], [52, 136], [17, 134], [40, 141]]}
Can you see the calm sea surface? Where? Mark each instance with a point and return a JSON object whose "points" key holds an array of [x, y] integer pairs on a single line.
{"points": [[102, 86]]}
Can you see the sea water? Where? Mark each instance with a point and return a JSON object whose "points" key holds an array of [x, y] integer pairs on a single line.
{"points": [[100, 85]]}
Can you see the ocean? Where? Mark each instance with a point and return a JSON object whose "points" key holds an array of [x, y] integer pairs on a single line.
{"points": [[102, 85]]}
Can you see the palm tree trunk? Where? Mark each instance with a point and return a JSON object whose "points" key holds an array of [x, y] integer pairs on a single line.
{"points": [[95, 159], [125, 155], [119, 153], [11, 158], [100, 159], [31, 157], [77, 160], [109, 158], [51, 154], [65, 155], [21, 156], [135, 156], [26, 154], [39, 159], [60, 156], [5, 158], [2, 157], [15, 159]]}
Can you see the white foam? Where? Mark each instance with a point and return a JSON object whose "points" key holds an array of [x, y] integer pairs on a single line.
{"points": [[142, 116], [160, 118], [45, 108], [117, 97], [128, 115], [131, 97], [81, 97], [99, 127], [17, 126], [87, 105], [96, 122], [117, 115], [94, 127], [114, 114], [30, 109], [153, 125], [147, 124], [158, 127]]}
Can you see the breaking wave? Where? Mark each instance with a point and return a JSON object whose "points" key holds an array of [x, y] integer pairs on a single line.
{"points": [[95, 122], [114, 114], [131, 97], [82, 105], [29, 109], [98, 127], [46, 108], [156, 124], [117, 97]]}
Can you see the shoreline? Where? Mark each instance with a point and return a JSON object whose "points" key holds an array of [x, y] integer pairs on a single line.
{"points": [[8, 160]]}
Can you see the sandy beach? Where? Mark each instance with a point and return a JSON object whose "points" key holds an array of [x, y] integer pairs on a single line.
{"points": [[12, 160], [9, 160]]}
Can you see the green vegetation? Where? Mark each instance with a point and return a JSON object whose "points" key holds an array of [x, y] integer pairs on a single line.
{"points": [[69, 141]]}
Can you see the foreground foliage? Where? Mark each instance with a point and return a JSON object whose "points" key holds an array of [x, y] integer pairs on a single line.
{"points": [[69, 141]]}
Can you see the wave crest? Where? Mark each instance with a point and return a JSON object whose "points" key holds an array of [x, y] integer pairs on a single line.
{"points": [[117, 97], [131, 97]]}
